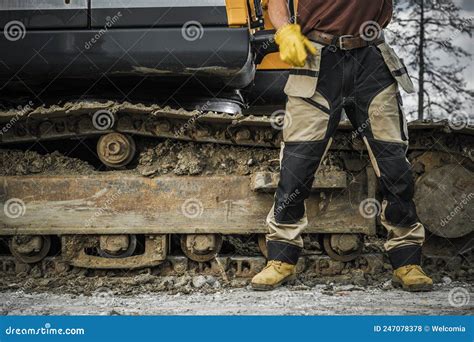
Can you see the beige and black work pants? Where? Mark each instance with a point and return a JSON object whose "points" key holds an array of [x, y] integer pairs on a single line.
{"points": [[365, 83]]}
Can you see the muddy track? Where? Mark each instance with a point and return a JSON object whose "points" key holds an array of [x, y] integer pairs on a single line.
{"points": [[94, 118], [206, 144]]}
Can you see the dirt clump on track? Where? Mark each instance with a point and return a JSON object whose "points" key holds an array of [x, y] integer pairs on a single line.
{"points": [[187, 158], [167, 157], [18, 163]]}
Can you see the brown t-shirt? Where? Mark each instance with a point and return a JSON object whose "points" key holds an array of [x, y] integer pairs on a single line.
{"points": [[341, 17]]}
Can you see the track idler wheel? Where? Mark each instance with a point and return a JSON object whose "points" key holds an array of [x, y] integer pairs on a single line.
{"points": [[30, 249], [116, 150], [117, 246], [201, 247], [343, 247]]}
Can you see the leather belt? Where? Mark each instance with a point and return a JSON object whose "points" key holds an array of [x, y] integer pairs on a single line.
{"points": [[344, 42]]}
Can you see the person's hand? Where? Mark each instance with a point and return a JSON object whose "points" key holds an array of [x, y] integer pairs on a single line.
{"points": [[294, 47]]}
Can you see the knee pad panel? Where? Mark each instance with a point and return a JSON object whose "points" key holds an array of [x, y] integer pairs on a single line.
{"points": [[299, 163]]}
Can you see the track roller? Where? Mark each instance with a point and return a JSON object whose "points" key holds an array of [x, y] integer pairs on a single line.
{"points": [[117, 246], [30, 249], [116, 150], [201, 247], [343, 247]]}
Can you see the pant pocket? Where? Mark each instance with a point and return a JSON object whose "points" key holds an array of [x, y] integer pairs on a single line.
{"points": [[396, 67], [302, 82], [385, 115]]}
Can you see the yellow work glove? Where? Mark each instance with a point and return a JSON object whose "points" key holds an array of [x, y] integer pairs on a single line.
{"points": [[294, 47]]}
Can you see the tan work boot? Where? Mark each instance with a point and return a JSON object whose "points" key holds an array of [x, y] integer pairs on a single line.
{"points": [[411, 278], [273, 275]]}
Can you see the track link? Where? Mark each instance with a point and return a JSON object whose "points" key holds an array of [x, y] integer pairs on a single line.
{"points": [[82, 119]]}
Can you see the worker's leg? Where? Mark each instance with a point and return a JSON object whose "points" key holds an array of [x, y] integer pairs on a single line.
{"points": [[311, 122], [378, 107], [306, 140], [312, 114]]}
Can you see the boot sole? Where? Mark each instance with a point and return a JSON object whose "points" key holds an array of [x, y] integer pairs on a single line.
{"points": [[267, 287], [412, 288]]}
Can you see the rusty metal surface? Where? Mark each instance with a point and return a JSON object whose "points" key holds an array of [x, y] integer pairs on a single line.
{"points": [[331, 179], [154, 254], [116, 149], [119, 203]]}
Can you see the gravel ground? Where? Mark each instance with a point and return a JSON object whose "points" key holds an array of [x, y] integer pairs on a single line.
{"points": [[454, 299]]}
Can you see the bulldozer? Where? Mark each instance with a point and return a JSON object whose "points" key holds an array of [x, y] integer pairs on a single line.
{"points": [[189, 71]]}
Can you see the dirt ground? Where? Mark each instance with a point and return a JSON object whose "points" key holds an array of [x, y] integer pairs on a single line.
{"points": [[292, 300], [142, 292]]}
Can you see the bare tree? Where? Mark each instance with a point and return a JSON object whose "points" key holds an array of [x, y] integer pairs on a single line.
{"points": [[424, 31]]}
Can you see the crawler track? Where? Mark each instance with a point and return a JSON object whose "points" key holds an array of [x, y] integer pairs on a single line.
{"points": [[96, 118], [121, 220]]}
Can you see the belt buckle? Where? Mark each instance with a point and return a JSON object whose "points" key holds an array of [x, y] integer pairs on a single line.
{"points": [[340, 40]]}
